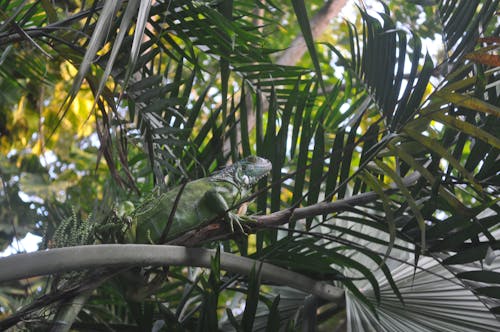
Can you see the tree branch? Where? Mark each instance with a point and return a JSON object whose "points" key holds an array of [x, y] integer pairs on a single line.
{"points": [[288, 215], [121, 255], [220, 230]]}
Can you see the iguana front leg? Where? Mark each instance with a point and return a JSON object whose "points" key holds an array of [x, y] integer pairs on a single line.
{"points": [[213, 201]]}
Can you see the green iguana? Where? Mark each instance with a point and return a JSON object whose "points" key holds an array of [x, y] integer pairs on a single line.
{"points": [[190, 206], [198, 202]]}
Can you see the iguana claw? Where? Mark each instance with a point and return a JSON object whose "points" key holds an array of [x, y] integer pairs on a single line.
{"points": [[239, 220]]}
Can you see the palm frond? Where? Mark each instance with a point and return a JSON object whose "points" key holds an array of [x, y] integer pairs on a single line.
{"points": [[452, 306]]}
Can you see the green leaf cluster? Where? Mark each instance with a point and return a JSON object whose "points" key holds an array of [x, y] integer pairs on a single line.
{"points": [[384, 152]]}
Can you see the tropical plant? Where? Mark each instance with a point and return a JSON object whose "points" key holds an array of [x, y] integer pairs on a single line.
{"points": [[383, 198]]}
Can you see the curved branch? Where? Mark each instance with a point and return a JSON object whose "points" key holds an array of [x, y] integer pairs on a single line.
{"points": [[119, 255]]}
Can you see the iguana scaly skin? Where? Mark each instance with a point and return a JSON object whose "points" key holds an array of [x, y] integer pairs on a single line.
{"points": [[198, 203]]}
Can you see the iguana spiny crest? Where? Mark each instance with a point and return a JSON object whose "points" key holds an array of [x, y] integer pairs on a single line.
{"points": [[244, 173]]}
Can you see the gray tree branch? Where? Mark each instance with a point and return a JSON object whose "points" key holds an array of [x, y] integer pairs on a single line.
{"points": [[120, 255]]}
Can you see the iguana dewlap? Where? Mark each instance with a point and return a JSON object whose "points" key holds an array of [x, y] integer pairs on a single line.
{"points": [[200, 202]]}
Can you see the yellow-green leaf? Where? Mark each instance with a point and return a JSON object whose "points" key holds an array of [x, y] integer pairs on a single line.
{"points": [[373, 182], [443, 192], [434, 145], [469, 102], [411, 202], [467, 128]]}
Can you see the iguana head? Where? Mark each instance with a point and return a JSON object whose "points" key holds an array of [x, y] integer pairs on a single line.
{"points": [[246, 172]]}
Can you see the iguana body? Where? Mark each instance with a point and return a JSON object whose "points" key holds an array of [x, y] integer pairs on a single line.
{"points": [[199, 202]]}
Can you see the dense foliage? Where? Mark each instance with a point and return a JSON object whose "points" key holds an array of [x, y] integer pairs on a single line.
{"points": [[385, 178]]}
